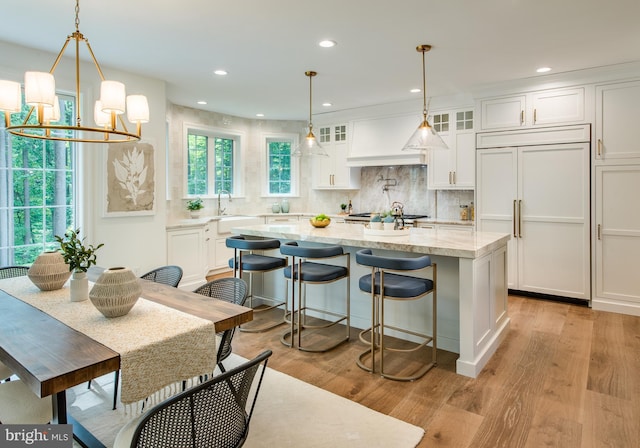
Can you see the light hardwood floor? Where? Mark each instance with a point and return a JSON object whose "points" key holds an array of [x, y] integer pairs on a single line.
{"points": [[565, 376]]}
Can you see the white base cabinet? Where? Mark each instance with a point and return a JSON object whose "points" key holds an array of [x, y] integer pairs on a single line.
{"points": [[540, 195], [186, 248], [617, 239]]}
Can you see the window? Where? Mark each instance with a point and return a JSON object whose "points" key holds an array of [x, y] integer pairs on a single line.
{"points": [[212, 157], [281, 167], [441, 122], [464, 120], [37, 190]]}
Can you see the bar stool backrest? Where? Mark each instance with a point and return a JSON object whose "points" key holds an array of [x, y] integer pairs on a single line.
{"points": [[240, 242], [291, 248], [365, 257]]}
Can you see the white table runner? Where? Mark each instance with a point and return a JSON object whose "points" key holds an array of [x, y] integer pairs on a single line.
{"points": [[159, 346]]}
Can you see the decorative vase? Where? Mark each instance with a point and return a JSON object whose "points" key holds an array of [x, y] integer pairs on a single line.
{"points": [[284, 206], [195, 213], [275, 207], [49, 271], [115, 292], [79, 287]]}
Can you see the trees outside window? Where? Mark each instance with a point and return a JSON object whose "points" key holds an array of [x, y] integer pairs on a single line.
{"points": [[279, 161], [211, 161], [37, 190]]}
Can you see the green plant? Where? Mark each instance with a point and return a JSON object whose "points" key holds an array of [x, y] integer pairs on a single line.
{"points": [[195, 204], [78, 256], [343, 206]]}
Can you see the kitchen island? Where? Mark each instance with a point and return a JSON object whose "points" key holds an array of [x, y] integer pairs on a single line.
{"points": [[472, 281]]}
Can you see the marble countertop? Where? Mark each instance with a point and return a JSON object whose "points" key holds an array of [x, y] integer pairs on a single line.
{"points": [[425, 241]]}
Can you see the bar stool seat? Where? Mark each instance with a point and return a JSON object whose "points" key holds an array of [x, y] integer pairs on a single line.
{"points": [[246, 260], [302, 272], [387, 281]]}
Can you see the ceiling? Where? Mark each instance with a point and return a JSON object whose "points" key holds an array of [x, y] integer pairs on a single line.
{"points": [[267, 45]]}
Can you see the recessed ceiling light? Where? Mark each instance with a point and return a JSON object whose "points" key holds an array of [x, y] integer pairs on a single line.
{"points": [[327, 43], [259, 115], [415, 90], [220, 72], [327, 104], [543, 69], [202, 102]]}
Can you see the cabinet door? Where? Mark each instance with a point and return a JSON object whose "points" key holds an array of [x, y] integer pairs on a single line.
{"points": [[553, 218], [465, 168], [503, 113], [617, 239], [557, 106], [617, 111], [185, 248], [496, 196]]}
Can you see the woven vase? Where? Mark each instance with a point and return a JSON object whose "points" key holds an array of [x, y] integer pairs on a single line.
{"points": [[115, 292], [49, 271]]}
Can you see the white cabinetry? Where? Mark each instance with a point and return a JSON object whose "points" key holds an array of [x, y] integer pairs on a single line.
{"points": [[617, 239], [283, 219], [541, 108], [332, 173], [186, 248], [540, 195], [617, 109], [453, 168]]}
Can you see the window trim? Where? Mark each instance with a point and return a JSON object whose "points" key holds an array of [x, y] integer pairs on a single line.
{"points": [[294, 138], [238, 160]]}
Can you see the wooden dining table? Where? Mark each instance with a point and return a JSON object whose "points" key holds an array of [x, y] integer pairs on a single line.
{"points": [[51, 357]]}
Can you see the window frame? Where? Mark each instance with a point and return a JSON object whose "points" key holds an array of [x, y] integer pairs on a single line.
{"points": [[294, 140], [211, 133]]}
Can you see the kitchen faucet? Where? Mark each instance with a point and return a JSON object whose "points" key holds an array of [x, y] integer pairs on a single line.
{"points": [[220, 209]]}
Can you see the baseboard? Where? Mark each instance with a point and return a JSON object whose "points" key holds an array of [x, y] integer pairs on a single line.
{"points": [[540, 296]]}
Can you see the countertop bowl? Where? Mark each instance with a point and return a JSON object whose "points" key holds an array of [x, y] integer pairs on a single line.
{"points": [[323, 223]]}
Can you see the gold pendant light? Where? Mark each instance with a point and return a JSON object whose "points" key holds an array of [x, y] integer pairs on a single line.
{"points": [[39, 89], [425, 137], [310, 145]]}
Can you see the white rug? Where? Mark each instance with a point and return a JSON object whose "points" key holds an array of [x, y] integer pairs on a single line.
{"points": [[289, 413]]}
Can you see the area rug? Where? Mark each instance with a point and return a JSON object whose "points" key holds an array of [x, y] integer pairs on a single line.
{"points": [[289, 413]]}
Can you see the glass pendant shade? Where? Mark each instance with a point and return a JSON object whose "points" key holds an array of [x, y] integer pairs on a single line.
{"points": [[137, 109], [113, 97], [39, 89], [425, 137], [10, 97]]}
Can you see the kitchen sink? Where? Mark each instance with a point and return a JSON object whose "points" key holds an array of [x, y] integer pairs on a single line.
{"points": [[226, 223]]}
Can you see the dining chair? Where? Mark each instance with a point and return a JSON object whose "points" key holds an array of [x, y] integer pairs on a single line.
{"points": [[230, 289], [19, 405], [212, 414], [167, 275], [13, 271]]}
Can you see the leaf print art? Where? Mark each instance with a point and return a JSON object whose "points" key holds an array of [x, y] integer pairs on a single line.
{"points": [[131, 173]]}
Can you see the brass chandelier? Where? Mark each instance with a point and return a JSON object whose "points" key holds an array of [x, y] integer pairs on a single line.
{"points": [[425, 137], [310, 146], [40, 95]]}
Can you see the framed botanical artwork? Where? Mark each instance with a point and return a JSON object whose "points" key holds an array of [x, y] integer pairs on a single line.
{"points": [[130, 179]]}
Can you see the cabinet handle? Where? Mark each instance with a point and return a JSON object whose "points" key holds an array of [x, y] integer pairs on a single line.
{"points": [[599, 232], [520, 218], [535, 115], [599, 147], [521, 117], [515, 235], [454, 177], [449, 177]]}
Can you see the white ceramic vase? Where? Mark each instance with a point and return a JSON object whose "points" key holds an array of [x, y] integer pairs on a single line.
{"points": [[195, 213], [79, 287], [49, 271], [115, 292]]}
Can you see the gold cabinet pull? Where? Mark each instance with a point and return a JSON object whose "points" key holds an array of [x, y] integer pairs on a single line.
{"points": [[520, 218], [599, 232], [515, 235], [454, 177], [521, 117], [599, 147], [535, 115]]}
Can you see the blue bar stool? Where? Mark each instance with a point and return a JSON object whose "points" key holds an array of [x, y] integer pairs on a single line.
{"points": [[302, 272], [246, 260], [385, 283]]}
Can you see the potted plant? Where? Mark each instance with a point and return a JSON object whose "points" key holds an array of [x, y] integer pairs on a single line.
{"points": [[79, 258], [194, 206], [343, 207]]}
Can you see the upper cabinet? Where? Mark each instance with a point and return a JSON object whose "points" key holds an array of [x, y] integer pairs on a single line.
{"points": [[541, 108], [617, 108], [332, 172], [453, 168]]}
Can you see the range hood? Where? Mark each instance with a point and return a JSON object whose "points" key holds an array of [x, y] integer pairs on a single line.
{"points": [[379, 141]]}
